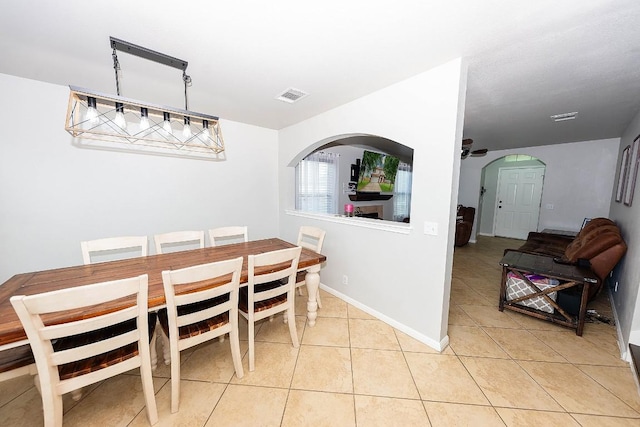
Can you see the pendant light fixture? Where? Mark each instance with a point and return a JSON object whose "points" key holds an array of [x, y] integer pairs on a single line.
{"points": [[144, 119], [114, 122]]}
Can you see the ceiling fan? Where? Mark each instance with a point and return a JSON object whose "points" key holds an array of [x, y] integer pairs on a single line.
{"points": [[466, 149]]}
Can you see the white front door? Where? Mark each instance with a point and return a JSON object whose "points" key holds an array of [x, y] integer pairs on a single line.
{"points": [[518, 202]]}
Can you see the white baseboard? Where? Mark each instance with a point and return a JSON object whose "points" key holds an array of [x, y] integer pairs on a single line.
{"points": [[622, 345], [634, 338], [487, 234], [436, 345]]}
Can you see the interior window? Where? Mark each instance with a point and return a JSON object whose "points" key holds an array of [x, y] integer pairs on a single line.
{"points": [[316, 183]]}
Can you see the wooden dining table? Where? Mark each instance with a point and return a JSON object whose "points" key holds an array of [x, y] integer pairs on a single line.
{"points": [[12, 334]]}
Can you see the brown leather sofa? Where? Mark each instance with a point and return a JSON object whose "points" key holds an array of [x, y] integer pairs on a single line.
{"points": [[464, 224], [599, 242]]}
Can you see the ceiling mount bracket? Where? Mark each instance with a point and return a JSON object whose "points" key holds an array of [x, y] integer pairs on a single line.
{"points": [[151, 55]]}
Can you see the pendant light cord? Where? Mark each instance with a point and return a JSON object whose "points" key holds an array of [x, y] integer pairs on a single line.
{"points": [[116, 68], [187, 82]]}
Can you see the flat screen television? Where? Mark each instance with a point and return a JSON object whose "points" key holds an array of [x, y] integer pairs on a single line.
{"points": [[377, 173]]}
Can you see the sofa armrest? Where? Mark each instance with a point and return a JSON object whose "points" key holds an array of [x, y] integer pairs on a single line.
{"points": [[605, 261]]}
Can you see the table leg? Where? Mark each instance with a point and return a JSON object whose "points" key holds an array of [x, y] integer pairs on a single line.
{"points": [[583, 309], [503, 289], [312, 280]]}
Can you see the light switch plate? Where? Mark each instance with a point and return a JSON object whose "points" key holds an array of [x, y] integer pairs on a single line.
{"points": [[431, 228]]}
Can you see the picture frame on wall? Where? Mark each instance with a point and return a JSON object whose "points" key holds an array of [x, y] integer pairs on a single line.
{"points": [[633, 171], [624, 173]]}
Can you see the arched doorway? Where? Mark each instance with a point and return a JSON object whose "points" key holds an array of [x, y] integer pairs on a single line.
{"points": [[511, 190]]}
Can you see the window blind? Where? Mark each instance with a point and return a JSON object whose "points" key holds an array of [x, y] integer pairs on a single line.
{"points": [[316, 183], [402, 193]]}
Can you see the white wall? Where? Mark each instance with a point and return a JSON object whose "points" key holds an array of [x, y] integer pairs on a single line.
{"points": [[404, 277], [53, 194], [627, 273], [578, 182]]}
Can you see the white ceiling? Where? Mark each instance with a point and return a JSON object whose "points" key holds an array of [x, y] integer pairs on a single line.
{"points": [[527, 59]]}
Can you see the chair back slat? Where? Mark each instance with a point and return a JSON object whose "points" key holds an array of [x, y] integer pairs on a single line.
{"points": [[81, 296], [113, 244], [96, 376], [226, 235], [178, 240], [198, 316], [86, 325], [280, 273], [203, 295], [270, 293], [63, 357]]}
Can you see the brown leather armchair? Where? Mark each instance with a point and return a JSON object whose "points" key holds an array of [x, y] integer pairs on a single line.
{"points": [[464, 224]]}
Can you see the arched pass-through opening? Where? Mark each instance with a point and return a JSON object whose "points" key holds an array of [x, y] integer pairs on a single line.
{"points": [[378, 143], [391, 176]]}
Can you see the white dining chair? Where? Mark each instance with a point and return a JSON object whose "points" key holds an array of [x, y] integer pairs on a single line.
{"points": [[178, 240], [227, 235], [201, 314], [311, 238], [114, 246], [269, 292], [128, 245], [173, 242], [71, 354]]}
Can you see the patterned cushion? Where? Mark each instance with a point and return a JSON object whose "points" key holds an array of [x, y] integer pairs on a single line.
{"points": [[517, 288]]}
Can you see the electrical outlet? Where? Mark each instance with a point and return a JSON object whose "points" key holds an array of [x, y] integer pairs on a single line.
{"points": [[345, 279]]}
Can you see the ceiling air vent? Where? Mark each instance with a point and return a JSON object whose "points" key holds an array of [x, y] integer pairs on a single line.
{"points": [[564, 116], [291, 95]]}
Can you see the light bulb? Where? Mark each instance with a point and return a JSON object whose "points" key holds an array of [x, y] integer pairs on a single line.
{"points": [[167, 124], [144, 119], [204, 135], [186, 130], [92, 112], [119, 120]]}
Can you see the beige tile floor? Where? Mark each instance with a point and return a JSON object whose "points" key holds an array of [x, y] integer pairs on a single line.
{"points": [[352, 369]]}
